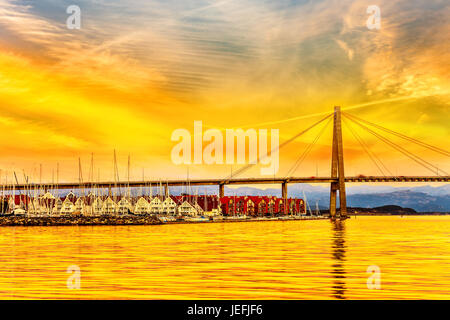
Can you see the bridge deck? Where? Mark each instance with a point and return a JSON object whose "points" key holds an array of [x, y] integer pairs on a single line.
{"points": [[206, 182]]}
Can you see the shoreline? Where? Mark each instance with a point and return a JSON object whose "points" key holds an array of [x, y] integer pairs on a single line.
{"points": [[11, 221], [401, 214]]}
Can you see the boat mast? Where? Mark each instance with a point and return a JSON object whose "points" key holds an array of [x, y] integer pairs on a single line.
{"points": [[20, 193], [142, 185], [129, 191], [80, 176], [40, 178], [307, 204], [57, 180], [115, 176], [3, 192], [91, 174], [14, 197], [27, 190]]}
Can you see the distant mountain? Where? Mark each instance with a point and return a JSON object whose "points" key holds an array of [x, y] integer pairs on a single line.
{"points": [[421, 199], [389, 209], [366, 189], [418, 201], [436, 191]]}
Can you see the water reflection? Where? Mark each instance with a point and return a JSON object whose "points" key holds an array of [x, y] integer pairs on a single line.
{"points": [[338, 255], [249, 260]]}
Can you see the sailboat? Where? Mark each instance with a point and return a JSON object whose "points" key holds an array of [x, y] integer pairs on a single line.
{"points": [[307, 204]]}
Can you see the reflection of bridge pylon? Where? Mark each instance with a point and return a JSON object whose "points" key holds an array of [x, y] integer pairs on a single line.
{"points": [[337, 168]]}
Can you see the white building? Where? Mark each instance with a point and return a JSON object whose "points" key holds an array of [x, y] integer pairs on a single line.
{"points": [[199, 209], [57, 207], [156, 206], [48, 195], [187, 209], [124, 206], [79, 206], [67, 207], [142, 206], [169, 206], [109, 206], [97, 206]]}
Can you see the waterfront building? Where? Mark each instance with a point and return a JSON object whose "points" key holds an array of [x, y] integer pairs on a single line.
{"points": [[21, 202], [109, 206], [142, 206], [199, 209], [47, 202], [187, 209], [79, 206], [271, 209], [279, 206], [89, 204], [169, 206], [71, 196], [124, 206], [48, 195], [249, 208], [210, 204], [56, 210], [67, 206], [260, 205], [97, 206], [156, 206]]}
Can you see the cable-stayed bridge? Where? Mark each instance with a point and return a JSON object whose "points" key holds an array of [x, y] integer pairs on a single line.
{"points": [[337, 179]]}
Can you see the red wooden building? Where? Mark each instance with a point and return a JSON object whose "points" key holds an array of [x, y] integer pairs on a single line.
{"points": [[260, 205]]}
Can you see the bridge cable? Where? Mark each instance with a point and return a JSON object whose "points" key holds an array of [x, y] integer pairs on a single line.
{"points": [[366, 148], [410, 155], [417, 159], [248, 166], [307, 150], [305, 153], [418, 142]]}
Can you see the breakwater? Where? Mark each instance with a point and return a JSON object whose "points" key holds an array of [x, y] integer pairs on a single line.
{"points": [[78, 220]]}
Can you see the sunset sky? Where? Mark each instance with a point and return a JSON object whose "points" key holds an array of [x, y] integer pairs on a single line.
{"points": [[138, 70]]}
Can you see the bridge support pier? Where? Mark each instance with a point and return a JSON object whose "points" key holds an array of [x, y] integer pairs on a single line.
{"points": [[337, 168], [221, 190], [284, 195]]}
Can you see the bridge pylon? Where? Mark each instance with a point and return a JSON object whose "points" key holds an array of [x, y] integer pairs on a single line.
{"points": [[337, 168]]}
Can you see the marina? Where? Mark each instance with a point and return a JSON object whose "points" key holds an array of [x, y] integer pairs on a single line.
{"points": [[119, 203], [44, 208], [46, 204]]}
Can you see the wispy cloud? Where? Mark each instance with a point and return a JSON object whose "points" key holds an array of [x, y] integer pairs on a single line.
{"points": [[138, 69]]}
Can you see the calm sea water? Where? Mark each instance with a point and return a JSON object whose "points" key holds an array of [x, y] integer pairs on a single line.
{"points": [[253, 260]]}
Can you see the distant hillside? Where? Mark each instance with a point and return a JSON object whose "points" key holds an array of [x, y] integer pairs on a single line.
{"points": [[423, 198], [419, 201], [390, 209], [430, 199]]}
